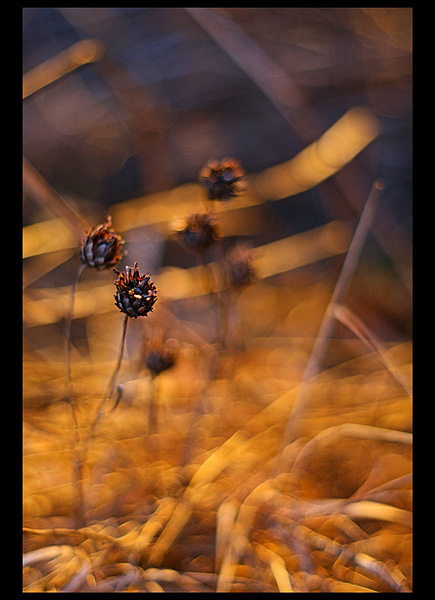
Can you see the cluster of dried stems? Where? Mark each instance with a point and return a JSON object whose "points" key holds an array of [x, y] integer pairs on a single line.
{"points": [[247, 512], [135, 295], [71, 550]]}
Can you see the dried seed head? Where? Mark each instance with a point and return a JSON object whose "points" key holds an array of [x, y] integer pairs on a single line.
{"points": [[135, 293], [161, 355], [239, 265], [222, 180], [102, 247], [198, 233]]}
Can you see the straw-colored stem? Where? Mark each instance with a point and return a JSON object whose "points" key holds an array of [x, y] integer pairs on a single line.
{"points": [[118, 364], [68, 334], [152, 407], [78, 464], [322, 340], [112, 382], [106, 397], [358, 328]]}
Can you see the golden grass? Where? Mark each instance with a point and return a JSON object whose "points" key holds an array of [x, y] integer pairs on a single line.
{"points": [[281, 459], [199, 506]]}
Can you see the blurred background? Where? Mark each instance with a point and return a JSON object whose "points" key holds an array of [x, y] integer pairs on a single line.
{"points": [[121, 103], [122, 107], [166, 89]]}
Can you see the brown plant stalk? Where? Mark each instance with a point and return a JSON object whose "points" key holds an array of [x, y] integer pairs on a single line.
{"points": [[321, 343]]}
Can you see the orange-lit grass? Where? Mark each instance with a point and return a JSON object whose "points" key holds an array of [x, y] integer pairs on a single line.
{"points": [[338, 518]]}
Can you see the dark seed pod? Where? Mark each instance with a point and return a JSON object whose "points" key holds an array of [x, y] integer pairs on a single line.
{"points": [[240, 270], [198, 233], [135, 294], [222, 180], [160, 356], [102, 247]]}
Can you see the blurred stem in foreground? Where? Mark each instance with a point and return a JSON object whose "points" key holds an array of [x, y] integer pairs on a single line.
{"points": [[327, 325], [100, 249], [69, 399], [81, 458], [135, 297], [68, 334]]}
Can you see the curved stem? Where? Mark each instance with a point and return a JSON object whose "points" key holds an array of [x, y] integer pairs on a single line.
{"points": [[118, 364], [112, 380], [107, 396]]}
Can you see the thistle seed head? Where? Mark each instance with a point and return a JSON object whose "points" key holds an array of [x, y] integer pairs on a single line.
{"points": [[102, 247], [198, 233], [135, 294], [222, 179]]}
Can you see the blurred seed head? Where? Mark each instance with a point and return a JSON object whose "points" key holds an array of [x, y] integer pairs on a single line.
{"points": [[161, 355], [135, 294], [240, 270], [222, 179], [198, 233], [102, 247]]}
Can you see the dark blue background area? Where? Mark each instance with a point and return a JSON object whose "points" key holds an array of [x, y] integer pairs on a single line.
{"points": [[210, 106]]}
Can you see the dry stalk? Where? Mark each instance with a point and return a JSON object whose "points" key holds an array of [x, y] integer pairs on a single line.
{"points": [[238, 541], [68, 334], [69, 399], [356, 430], [50, 199], [65, 62], [358, 328], [367, 563], [100, 410], [321, 342]]}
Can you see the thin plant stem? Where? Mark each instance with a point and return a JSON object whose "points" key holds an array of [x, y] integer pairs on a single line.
{"points": [[107, 396], [152, 408], [118, 364], [50, 199], [78, 464], [209, 286], [68, 334], [358, 328], [322, 340], [111, 385]]}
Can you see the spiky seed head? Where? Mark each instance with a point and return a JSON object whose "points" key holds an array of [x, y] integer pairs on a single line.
{"points": [[102, 247], [222, 179], [135, 293]]}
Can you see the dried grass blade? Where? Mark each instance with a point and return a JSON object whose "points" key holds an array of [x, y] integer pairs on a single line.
{"points": [[152, 527], [264, 492], [354, 324], [391, 576], [367, 509], [48, 197], [78, 579], [321, 342], [80, 53], [353, 430], [225, 518], [278, 568], [178, 519], [217, 462], [47, 553]]}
